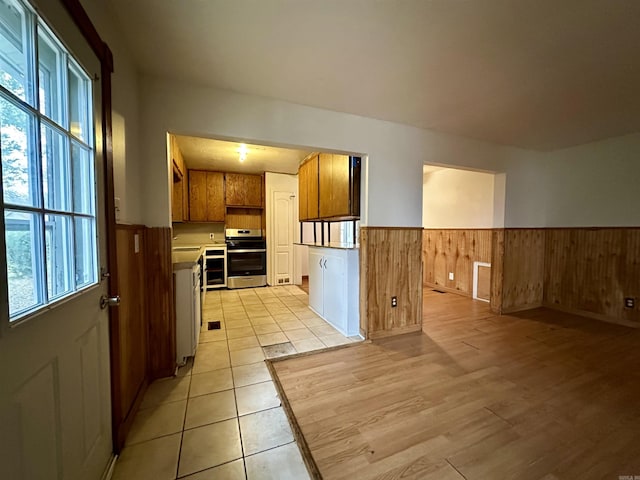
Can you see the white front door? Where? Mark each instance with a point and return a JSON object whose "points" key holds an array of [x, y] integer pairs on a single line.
{"points": [[282, 249], [55, 414]]}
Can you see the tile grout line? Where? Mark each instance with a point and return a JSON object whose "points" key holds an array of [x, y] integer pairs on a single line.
{"points": [[235, 398], [184, 419]]}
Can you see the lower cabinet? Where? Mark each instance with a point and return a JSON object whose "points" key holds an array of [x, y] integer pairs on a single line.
{"points": [[188, 313], [334, 287]]}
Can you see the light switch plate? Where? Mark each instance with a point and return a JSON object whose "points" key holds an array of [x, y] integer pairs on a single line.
{"points": [[450, 275]]}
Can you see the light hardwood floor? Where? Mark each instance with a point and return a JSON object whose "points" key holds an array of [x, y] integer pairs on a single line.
{"points": [[536, 395]]}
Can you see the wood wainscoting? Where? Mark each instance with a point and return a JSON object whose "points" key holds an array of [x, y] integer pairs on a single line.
{"points": [[587, 271], [390, 265], [129, 331], [523, 269], [590, 271], [454, 250], [160, 301]]}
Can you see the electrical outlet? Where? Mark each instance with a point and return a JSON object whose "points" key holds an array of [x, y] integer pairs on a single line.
{"points": [[211, 236], [450, 275], [394, 301], [629, 302]]}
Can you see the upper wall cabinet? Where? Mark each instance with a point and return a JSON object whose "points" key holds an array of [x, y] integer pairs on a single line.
{"points": [[329, 187], [243, 190], [308, 189], [206, 196], [180, 189]]}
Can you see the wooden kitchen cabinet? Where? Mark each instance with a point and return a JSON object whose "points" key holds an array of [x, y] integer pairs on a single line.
{"points": [[329, 187], [206, 196], [243, 190], [308, 189], [180, 189], [333, 185]]}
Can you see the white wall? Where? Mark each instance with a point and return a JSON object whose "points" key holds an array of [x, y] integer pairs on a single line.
{"points": [[197, 233], [392, 173], [592, 184], [126, 159], [454, 198], [597, 184]]}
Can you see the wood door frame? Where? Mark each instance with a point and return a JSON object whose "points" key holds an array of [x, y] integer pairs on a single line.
{"points": [[102, 51]]}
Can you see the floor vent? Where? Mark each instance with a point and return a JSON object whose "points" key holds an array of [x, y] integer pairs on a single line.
{"points": [[213, 325], [438, 291]]}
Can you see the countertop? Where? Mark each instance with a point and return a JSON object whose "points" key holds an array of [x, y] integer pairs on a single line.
{"points": [[337, 245], [182, 259]]}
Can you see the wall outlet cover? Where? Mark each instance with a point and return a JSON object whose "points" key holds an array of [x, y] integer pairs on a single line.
{"points": [[450, 275]]}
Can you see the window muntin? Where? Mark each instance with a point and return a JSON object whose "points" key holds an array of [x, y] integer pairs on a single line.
{"points": [[48, 169], [51, 58], [16, 52]]}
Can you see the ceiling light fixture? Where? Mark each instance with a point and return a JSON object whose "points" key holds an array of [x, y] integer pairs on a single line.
{"points": [[243, 150]]}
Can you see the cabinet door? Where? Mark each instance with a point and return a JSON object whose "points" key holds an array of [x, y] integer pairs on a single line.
{"points": [[234, 188], [303, 192], [325, 167], [312, 188], [316, 271], [333, 185], [340, 185], [252, 190], [334, 289], [177, 212], [197, 196], [215, 197]]}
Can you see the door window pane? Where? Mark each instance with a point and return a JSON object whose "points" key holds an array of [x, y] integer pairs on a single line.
{"points": [[14, 49], [85, 234], [48, 166], [50, 68], [79, 106], [56, 175], [22, 234], [59, 255], [83, 179], [19, 160]]}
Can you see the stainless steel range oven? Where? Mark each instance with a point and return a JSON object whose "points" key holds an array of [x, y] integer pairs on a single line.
{"points": [[246, 258]]}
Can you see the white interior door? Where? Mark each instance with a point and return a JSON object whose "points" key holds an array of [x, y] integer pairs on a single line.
{"points": [[282, 248], [55, 415]]}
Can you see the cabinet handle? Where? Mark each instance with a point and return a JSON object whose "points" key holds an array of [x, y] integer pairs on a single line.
{"points": [[320, 262], [325, 263]]}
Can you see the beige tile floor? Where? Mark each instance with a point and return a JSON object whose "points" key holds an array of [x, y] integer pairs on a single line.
{"points": [[220, 417]]}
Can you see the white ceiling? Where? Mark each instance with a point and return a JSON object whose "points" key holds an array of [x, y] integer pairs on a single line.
{"points": [[539, 74], [208, 154]]}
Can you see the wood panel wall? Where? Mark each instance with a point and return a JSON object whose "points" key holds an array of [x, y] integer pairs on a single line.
{"points": [[390, 265], [454, 250], [523, 269], [129, 369], [244, 218], [160, 301], [591, 270], [497, 270]]}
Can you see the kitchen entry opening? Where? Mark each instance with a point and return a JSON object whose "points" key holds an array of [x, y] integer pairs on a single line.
{"points": [[48, 171]]}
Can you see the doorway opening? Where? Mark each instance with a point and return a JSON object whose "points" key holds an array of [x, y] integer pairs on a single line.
{"points": [[460, 210]]}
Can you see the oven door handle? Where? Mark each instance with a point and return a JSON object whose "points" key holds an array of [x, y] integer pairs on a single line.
{"points": [[247, 250]]}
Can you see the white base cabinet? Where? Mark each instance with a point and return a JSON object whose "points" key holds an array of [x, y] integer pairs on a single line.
{"points": [[334, 287], [188, 312]]}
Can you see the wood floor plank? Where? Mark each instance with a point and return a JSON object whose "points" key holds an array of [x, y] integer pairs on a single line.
{"points": [[539, 394]]}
